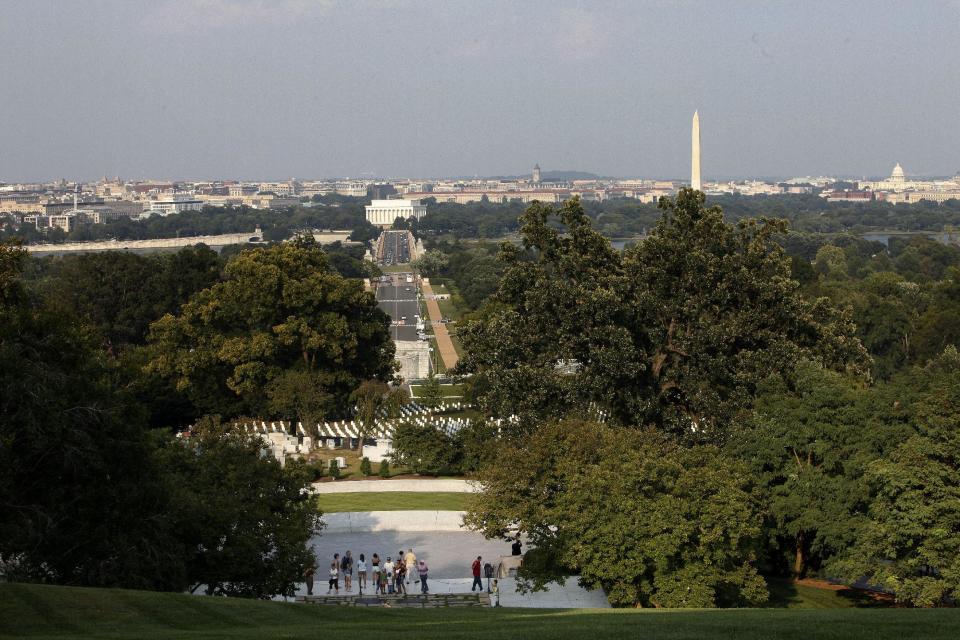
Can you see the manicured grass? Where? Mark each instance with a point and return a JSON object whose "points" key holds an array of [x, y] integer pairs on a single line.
{"points": [[41, 611], [449, 390], [392, 501]]}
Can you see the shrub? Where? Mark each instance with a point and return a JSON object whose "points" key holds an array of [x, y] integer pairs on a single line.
{"points": [[365, 468], [334, 469], [385, 469]]}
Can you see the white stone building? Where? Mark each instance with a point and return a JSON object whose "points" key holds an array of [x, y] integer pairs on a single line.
{"points": [[414, 359], [383, 213], [173, 204]]}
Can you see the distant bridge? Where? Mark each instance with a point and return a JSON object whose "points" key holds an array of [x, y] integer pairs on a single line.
{"points": [[159, 244]]}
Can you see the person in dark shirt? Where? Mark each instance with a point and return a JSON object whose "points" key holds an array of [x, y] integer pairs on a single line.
{"points": [[516, 546]]}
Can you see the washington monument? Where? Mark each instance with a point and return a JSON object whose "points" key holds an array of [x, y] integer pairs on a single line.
{"points": [[695, 153]]}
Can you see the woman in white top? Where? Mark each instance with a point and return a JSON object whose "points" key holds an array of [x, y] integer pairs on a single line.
{"points": [[362, 571]]}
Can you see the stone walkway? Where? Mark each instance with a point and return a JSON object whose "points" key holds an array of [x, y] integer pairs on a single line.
{"points": [[414, 600], [447, 352]]}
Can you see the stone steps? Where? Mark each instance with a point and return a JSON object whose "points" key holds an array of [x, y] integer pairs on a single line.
{"points": [[415, 600]]}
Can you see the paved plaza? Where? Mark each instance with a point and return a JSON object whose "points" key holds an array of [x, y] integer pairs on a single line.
{"points": [[447, 553]]}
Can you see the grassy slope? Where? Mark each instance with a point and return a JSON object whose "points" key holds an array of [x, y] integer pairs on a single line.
{"points": [[392, 501], [42, 611]]}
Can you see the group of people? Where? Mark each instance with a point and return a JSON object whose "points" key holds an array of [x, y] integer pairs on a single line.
{"points": [[394, 575], [386, 576]]}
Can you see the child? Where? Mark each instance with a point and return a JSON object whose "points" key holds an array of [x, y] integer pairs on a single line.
{"points": [[496, 594], [401, 570], [334, 574]]}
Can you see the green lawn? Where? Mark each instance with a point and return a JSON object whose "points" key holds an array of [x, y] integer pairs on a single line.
{"points": [[448, 390], [40, 611], [392, 501]]}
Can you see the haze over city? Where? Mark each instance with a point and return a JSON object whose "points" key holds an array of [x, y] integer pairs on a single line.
{"points": [[271, 90]]}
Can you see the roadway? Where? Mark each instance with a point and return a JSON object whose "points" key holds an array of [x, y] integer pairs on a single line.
{"points": [[395, 248], [398, 299]]}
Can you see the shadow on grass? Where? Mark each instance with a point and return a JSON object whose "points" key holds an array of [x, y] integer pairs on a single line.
{"points": [[789, 594]]}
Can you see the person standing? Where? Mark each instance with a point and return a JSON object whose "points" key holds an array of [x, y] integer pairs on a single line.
{"points": [[375, 561], [334, 581], [308, 575], [388, 573], [362, 572], [517, 547], [496, 594], [401, 577], [477, 582], [488, 573], [422, 570], [347, 569], [411, 561]]}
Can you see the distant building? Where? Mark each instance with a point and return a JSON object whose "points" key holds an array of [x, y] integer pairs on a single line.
{"points": [[240, 190], [280, 188], [381, 191], [383, 213], [536, 174], [352, 189], [847, 196], [496, 196], [173, 204]]}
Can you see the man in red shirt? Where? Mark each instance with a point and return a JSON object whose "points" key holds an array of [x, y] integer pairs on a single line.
{"points": [[477, 582]]}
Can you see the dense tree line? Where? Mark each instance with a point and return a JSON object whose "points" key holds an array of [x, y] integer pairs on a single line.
{"points": [[471, 268], [103, 357], [625, 218]]}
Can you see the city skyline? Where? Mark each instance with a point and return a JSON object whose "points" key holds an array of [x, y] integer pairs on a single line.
{"points": [[245, 89]]}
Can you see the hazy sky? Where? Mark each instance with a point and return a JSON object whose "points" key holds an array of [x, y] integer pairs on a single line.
{"points": [[298, 88]]}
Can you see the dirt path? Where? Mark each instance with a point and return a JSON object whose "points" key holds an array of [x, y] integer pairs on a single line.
{"points": [[444, 344]]}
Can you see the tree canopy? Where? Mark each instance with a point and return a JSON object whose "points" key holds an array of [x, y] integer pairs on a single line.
{"points": [[676, 332], [652, 522], [282, 335]]}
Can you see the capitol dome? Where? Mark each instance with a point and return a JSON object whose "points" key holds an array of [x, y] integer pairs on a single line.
{"points": [[897, 174]]}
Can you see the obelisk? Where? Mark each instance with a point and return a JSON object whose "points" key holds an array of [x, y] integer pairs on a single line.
{"points": [[695, 153]]}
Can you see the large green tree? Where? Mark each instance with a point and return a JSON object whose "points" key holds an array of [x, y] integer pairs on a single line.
{"points": [[79, 498], [808, 444], [243, 521], [282, 335], [652, 522], [676, 332], [911, 542]]}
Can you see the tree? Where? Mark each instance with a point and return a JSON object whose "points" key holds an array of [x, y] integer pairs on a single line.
{"points": [[676, 332], [79, 499], [243, 521], [120, 293], [374, 399], [653, 523], [431, 393], [431, 263], [808, 444], [281, 335], [426, 449], [911, 543]]}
